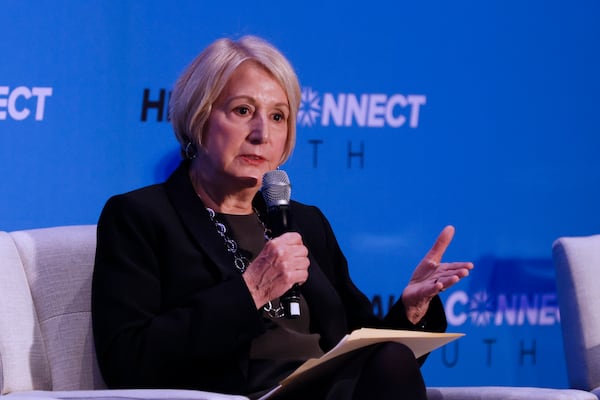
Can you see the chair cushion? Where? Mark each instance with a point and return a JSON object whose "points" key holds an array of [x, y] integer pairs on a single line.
{"points": [[58, 263], [22, 353]]}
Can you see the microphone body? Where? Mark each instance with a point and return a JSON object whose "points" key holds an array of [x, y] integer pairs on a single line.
{"points": [[276, 191]]}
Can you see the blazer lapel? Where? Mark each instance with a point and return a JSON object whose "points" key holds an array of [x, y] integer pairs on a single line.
{"points": [[327, 313], [326, 309], [195, 219]]}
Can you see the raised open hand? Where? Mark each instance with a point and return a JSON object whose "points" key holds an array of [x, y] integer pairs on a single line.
{"points": [[432, 276]]}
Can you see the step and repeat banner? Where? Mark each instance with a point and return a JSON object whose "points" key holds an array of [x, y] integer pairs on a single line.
{"points": [[414, 115]]}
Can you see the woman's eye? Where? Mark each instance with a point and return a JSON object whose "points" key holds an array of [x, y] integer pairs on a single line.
{"points": [[243, 110], [278, 117]]}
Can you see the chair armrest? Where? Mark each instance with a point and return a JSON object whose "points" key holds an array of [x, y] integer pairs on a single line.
{"points": [[122, 394], [506, 393]]}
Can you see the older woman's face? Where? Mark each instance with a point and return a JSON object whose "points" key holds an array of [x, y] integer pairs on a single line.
{"points": [[247, 128]]}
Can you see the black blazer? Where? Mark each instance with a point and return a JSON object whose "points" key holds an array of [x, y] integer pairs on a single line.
{"points": [[169, 310]]}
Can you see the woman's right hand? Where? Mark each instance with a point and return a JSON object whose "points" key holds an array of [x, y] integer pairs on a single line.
{"points": [[281, 263]]}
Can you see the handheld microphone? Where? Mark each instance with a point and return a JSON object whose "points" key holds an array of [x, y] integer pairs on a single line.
{"points": [[276, 191]]}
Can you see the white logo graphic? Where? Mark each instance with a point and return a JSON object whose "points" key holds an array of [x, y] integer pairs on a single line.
{"points": [[366, 110], [480, 309], [17, 104], [506, 309], [310, 109]]}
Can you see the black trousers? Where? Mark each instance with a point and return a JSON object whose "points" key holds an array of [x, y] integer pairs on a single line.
{"points": [[379, 372]]}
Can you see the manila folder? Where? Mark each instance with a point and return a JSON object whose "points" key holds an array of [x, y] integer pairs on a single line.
{"points": [[419, 342]]}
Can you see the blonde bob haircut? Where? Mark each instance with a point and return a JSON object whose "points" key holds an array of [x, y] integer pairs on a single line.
{"points": [[204, 79]]}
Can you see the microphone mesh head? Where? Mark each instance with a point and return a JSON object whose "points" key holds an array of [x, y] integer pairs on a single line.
{"points": [[276, 188]]}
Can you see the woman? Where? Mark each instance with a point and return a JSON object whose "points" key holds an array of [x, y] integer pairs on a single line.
{"points": [[173, 308]]}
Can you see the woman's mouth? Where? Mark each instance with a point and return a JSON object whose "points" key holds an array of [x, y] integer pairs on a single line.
{"points": [[253, 159]]}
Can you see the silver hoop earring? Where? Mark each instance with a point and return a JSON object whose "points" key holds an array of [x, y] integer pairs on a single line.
{"points": [[190, 151]]}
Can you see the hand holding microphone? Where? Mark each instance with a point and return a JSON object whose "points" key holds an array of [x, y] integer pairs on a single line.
{"points": [[276, 190]]}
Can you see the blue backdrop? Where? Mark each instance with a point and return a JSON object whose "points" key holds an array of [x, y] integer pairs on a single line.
{"points": [[415, 115]]}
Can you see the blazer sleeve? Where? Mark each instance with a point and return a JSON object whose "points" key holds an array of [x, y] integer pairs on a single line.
{"points": [[358, 308], [150, 328]]}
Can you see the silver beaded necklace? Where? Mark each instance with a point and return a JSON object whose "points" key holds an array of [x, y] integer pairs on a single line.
{"points": [[240, 261]]}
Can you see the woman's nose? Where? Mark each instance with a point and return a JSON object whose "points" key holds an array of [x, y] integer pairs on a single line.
{"points": [[259, 130]]}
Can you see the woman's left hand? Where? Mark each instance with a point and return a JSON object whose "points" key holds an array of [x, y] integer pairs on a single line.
{"points": [[432, 276]]}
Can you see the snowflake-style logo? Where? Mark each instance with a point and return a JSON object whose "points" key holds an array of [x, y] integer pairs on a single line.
{"points": [[480, 309], [310, 107]]}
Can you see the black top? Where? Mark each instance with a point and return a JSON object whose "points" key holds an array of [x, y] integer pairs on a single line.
{"points": [[286, 343]]}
